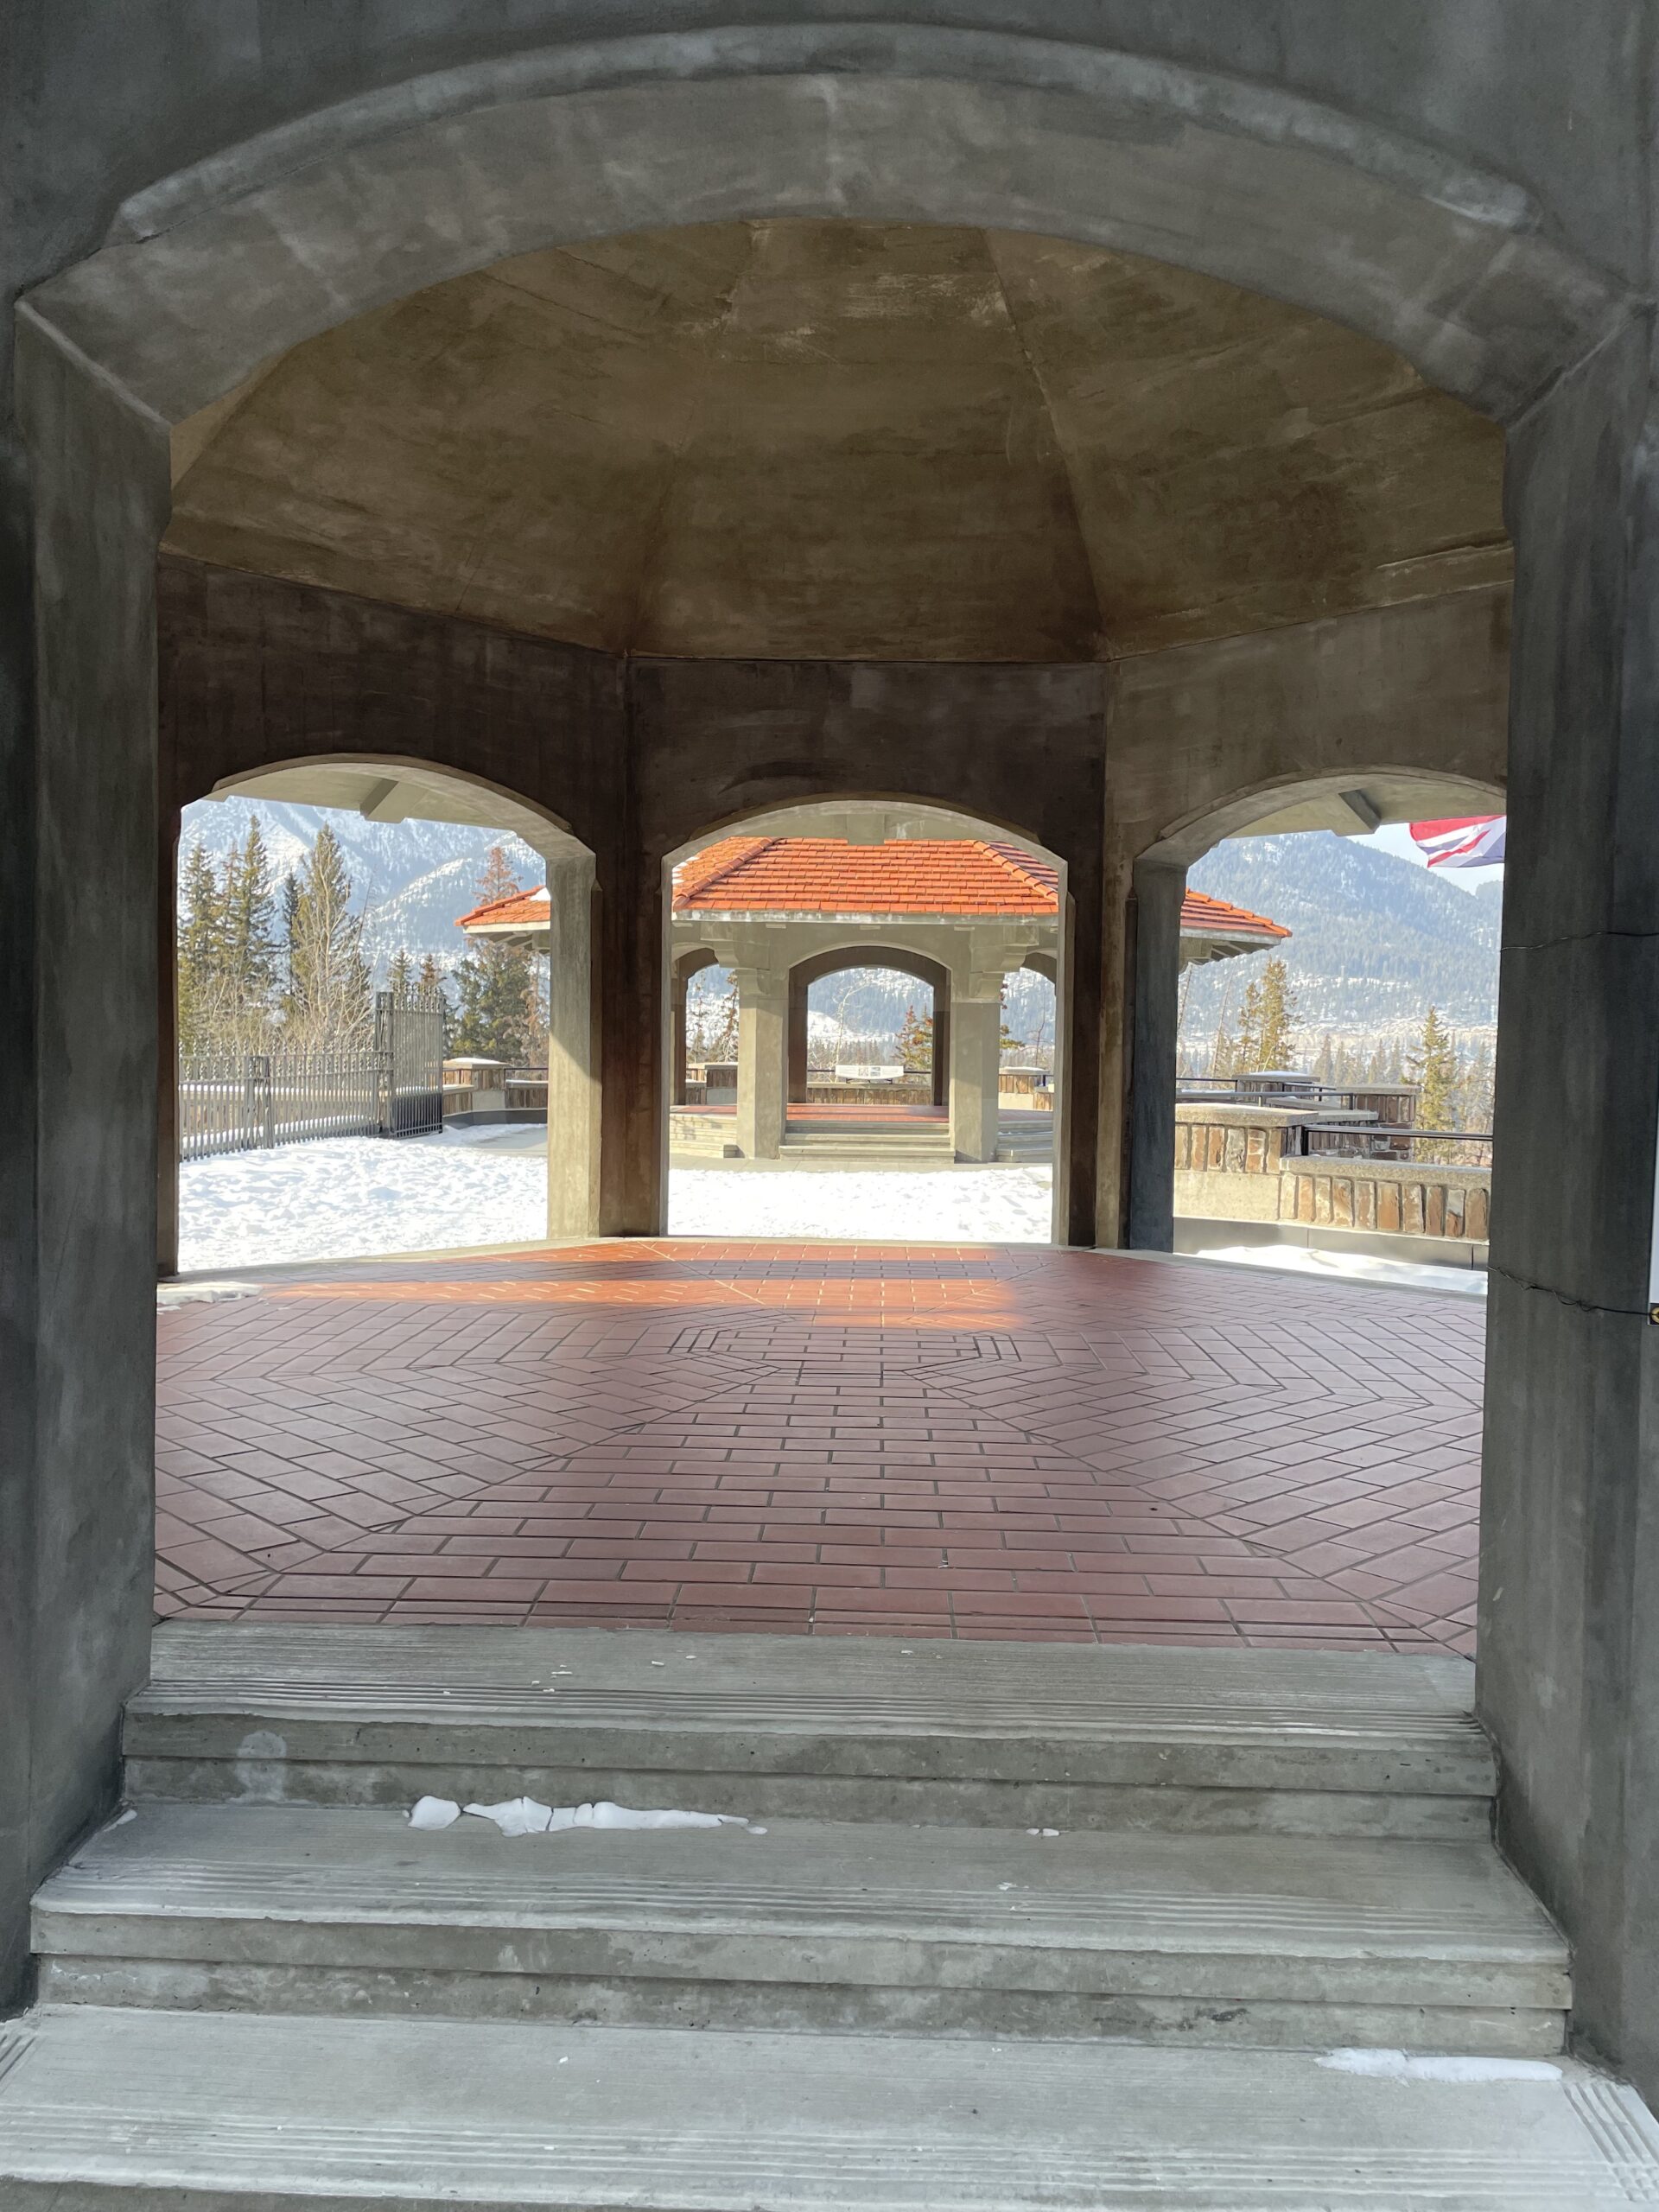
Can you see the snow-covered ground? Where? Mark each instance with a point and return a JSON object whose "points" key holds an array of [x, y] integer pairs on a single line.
{"points": [[345, 1197], [350, 1196], [938, 1205], [1354, 1267]]}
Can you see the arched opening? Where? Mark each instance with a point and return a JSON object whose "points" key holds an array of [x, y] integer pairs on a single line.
{"points": [[1254, 1093], [932, 1018], [317, 997], [1383, 235], [882, 896]]}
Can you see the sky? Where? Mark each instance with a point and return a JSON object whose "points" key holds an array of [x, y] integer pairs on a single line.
{"points": [[1395, 838]]}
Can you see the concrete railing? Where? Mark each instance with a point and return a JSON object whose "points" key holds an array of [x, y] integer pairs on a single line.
{"points": [[1247, 1164]]}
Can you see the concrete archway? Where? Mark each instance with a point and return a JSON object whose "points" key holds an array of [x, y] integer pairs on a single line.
{"points": [[1367, 796], [934, 973], [389, 788], [427, 179], [1446, 260]]}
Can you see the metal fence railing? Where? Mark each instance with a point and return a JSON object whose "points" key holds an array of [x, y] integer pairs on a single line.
{"points": [[243, 1101]]}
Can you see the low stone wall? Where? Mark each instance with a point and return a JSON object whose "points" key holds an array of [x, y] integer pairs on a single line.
{"points": [[1246, 1164]]}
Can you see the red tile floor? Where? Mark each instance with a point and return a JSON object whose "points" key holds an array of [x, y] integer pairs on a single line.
{"points": [[909, 1441]]}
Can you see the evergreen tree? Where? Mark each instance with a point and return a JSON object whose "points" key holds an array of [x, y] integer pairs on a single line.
{"points": [[495, 983], [400, 977], [1270, 1026], [431, 977], [1325, 1068], [248, 906], [916, 1042], [329, 998], [200, 951], [1434, 1069]]}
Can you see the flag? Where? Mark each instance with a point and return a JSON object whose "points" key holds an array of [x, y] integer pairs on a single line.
{"points": [[1475, 842]]}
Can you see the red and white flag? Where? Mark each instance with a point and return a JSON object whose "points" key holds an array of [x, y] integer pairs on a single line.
{"points": [[1475, 842]]}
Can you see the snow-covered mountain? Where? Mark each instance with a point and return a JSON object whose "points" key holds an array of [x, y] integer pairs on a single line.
{"points": [[1375, 939], [410, 880]]}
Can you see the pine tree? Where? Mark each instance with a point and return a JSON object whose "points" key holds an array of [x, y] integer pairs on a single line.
{"points": [[1434, 1069], [400, 977], [200, 951], [329, 998], [916, 1042], [495, 983], [1275, 1037], [248, 907]]}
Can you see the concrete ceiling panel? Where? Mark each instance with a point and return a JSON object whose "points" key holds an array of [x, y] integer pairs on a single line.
{"points": [[846, 440]]}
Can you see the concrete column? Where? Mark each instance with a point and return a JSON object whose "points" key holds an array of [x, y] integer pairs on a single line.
{"points": [[167, 1046], [1568, 1660], [629, 984], [1154, 1017], [976, 1063], [574, 1124], [762, 1053], [78, 999], [799, 1037], [678, 984]]}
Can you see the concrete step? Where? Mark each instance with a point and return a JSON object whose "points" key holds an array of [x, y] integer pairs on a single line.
{"points": [[1000, 1735], [197, 2112], [811, 1926]]}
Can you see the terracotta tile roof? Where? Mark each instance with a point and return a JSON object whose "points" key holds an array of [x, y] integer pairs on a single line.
{"points": [[1206, 916], [524, 907], [826, 875]]}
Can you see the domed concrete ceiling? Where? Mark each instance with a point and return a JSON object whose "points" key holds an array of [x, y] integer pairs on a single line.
{"points": [[848, 440]]}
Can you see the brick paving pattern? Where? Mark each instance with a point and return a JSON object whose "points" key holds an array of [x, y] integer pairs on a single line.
{"points": [[827, 1439]]}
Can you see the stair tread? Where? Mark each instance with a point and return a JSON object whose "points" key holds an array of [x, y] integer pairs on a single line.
{"points": [[558, 1677], [990, 1734], [392, 2112], [1108, 1892]]}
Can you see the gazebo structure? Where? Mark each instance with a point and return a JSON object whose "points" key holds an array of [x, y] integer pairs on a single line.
{"points": [[959, 914]]}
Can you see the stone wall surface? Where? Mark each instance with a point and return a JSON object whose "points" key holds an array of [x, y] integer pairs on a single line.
{"points": [[1246, 1164]]}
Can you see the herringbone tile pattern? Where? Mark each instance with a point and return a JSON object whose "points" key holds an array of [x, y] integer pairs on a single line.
{"points": [[897, 1440]]}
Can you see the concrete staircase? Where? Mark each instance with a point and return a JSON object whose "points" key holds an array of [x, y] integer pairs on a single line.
{"points": [[874, 1143], [266, 1988], [1024, 1133]]}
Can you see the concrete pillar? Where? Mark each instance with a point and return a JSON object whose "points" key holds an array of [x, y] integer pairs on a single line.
{"points": [[762, 1051], [799, 1037], [976, 1063], [631, 974], [1154, 1018], [77, 998], [677, 1024], [1568, 1659], [575, 1121], [167, 1046]]}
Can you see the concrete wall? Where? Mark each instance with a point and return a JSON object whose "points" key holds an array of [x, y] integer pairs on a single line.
{"points": [[1246, 1164]]}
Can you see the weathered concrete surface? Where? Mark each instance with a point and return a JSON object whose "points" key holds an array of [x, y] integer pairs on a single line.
{"points": [[1457, 178], [852, 441], [182, 2107], [1206, 739], [1569, 1651], [77, 1397]]}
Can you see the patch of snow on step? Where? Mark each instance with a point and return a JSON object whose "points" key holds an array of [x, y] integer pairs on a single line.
{"points": [[1410, 2066], [528, 1816]]}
